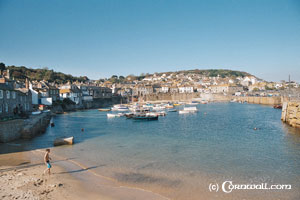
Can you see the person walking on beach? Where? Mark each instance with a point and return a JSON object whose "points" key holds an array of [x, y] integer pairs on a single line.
{"points": [[47, 161]]}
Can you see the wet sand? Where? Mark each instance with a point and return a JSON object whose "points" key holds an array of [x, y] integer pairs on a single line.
{"points": [[22, 178]]}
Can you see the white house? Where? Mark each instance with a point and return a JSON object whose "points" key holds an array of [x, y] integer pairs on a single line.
{"points": [[71, 92], [186, 89], [164, 89]]}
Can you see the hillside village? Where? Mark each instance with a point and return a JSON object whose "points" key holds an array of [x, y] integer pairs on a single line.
{"points": [[20, 96]]}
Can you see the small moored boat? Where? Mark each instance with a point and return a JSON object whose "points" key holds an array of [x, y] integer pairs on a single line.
{"points": [[111, 115], [104, 109], [63, 141], [187, 110], [36, 113], [145, 117], [277, 106]]}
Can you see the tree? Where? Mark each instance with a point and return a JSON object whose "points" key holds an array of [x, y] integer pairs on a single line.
{"points": [[2, 66]]}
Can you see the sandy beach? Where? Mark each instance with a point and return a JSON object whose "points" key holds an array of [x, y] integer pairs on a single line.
{"points": [[22, 178]]}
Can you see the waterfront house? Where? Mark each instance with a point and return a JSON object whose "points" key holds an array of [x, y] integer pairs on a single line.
{"points": [[165, 89], [13, 101], [141, 90], [200, 88], [72, 92], [174, 89], [44, 93], [226, 88], [95, 92], [49, 91], [186, 89], [257, 86], [156, 88], [223, 88]]}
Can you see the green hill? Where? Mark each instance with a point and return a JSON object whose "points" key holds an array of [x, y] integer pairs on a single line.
{"points": [[213, 72], [21, 73]]}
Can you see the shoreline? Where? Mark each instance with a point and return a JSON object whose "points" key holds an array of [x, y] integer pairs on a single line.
{"points": [[21, 178], [107, 188]]}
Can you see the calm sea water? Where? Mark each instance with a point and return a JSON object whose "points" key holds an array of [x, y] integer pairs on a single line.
{"points": [[179, 155]]}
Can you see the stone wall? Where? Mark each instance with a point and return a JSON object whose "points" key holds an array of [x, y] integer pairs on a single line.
{"points": [[35, 125], [20, 128], [183, 97], [209, 97], [10, 130], [291, 113], [168, 97], [260, 100]]}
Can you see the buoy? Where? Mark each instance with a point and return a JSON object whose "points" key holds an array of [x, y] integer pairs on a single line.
{"points": [[255, 128]]}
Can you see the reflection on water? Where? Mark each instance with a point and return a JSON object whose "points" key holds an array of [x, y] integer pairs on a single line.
{"points": [[180, 154]]}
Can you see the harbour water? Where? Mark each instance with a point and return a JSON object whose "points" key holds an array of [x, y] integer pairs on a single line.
{"points": [[179, 156]]}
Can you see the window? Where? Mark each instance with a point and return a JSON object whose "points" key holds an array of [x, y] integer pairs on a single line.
{"points": [[7, 94], [1, 94], [6, 107], [14, 95]]}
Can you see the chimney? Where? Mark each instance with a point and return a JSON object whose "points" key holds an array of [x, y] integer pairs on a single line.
{"points": [[7, 74], [27, 84]]}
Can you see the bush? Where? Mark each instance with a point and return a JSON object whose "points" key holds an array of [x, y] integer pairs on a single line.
{"points": [[68, 101]]}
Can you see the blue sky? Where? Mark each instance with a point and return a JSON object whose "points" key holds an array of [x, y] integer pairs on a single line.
{"points": [[102, 38]]}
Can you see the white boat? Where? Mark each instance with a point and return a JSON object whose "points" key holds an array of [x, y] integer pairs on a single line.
{"points": [[36, 113], [190, 109], [111, 115], [148, 106], [104, 109], [152, 114], [121, 114], [193, 103], [123, 109], [160, 113], [184, 112], [187, 110], [159, 108], [120, 108]]}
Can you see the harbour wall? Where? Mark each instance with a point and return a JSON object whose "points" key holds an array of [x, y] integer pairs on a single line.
{"points": [[96, 103], [260, 100], [291, 113], [211, 97], [104, 102], [24, 128], [183, 97]]}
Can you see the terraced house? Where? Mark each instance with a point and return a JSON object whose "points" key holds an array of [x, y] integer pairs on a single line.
{"points": [[14, 101]]}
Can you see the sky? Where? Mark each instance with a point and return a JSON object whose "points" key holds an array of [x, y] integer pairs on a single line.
{"points": [[117, 37]]}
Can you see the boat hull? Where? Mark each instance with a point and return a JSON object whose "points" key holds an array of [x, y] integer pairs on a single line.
{"points": [[63, 141], [146, 118]]}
